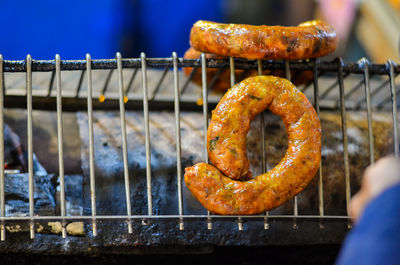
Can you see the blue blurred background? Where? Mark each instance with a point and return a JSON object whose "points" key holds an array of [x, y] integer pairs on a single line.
{"points": [[158, 27], [73, 28]]}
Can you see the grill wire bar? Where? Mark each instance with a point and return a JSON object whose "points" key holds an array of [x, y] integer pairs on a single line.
{"points": [[320, 176], [2, 189], [205, 118], [124, 140], [389, 98], [178, 138], [232, 71], [344, 135], [233, 81], [60, 143], [172, 216], [361, 101], [394, 108], [369, 110], [363, 67], [30, 142], [104, 64], [91, 141], [264, 166], [147, 135], [295, 205]]}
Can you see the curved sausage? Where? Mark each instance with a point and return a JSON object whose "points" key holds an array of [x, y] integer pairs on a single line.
{"points": [[227, 131], [310, 39]]}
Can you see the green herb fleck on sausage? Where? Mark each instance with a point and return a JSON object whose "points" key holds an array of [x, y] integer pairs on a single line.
{"points": [[233, 151], [213, 143]]}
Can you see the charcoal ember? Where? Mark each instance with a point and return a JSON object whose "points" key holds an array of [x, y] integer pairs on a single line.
{"points": [[109, 176], [110, 187], [162, 235], [16, 184], [44, 134], [73, 187], [13, 151], [45, 145], [17, 195], [15, 156], [47, 202]]}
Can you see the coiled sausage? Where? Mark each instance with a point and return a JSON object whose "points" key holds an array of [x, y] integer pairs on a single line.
{"points": [[216, 187]]}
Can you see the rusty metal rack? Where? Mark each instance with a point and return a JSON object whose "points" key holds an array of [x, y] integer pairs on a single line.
{"points": [[125, 99]]}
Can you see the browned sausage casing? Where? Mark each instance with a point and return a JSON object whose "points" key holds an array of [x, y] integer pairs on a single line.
{"points": [[227, 131], [310, 39]]}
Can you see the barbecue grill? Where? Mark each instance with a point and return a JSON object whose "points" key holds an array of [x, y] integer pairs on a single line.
{"points": [[138, 94]]}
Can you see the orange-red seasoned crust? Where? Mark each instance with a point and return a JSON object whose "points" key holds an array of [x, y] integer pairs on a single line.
{"points": [[310, 39], [216, 187]]}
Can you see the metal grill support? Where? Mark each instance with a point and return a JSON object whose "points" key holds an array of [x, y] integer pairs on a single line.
{"points": [[264, 166], [147, 101], [295, 205], [178, 139], [147, 135], [124, 140], [344, 135], [205, 118], [369, 110], [2, 191], [320, 179], [394, 109], [30, 141], [233, 81], [91, 141], [60, 144]]}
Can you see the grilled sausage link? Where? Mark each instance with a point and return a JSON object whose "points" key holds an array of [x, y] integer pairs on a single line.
{"points": [[216, 188], [310, 39]]}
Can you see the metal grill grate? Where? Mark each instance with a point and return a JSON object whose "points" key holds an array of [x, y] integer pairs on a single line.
{"points": [[126, 99]]}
